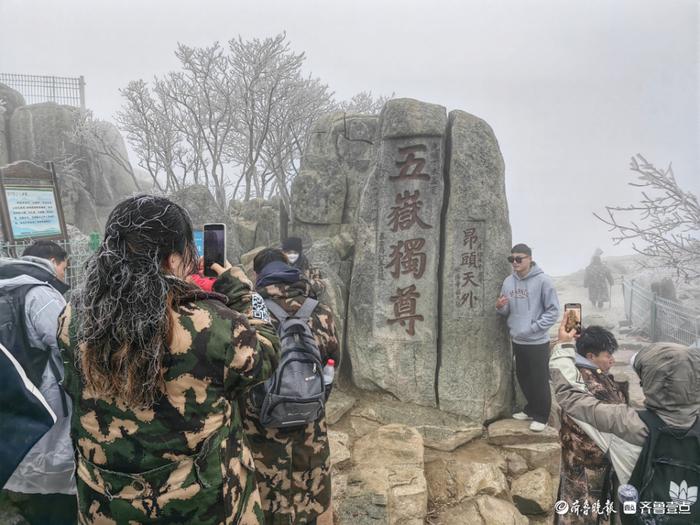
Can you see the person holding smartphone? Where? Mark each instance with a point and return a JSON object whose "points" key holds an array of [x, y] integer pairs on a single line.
{"points": [[529, 301]]}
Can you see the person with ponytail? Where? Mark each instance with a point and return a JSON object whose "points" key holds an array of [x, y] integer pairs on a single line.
{"points": [[155, 368]]}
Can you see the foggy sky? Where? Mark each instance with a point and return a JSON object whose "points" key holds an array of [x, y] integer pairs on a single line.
{"points": [[572, 89]]}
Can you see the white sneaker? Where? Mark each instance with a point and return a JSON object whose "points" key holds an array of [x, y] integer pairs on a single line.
{"points": [[521, 416], [536, 426]]}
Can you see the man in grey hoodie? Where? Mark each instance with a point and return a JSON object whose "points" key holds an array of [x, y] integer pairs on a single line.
{"points": [[529, 301], [42, 487]]}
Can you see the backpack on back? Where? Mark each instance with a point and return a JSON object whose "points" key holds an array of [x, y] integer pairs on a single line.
{"points": [[668, 472], [295, 395], [13, 333]]}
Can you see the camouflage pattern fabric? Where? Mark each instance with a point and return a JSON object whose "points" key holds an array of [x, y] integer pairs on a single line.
{"points": [[583, 464], [184, 460], [293, 465]]}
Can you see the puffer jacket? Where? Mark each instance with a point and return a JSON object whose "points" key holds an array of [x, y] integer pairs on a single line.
{"points": [[670, 376], [48, 467]]}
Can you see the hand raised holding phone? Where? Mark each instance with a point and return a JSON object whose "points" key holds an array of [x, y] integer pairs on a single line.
{"points": [[214, 248]]}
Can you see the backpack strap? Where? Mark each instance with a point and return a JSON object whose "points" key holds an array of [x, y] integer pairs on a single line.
{"points": [[303, 313], [57, 375], [280, 313], [643, 469], [307, 308], [651, 420]]}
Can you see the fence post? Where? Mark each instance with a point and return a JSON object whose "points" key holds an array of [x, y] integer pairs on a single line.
{"points": [[631, 302], [81, 84], [652, 319]]}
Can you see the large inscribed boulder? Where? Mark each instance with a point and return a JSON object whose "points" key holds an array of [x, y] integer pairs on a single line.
{"points": [[476, 361], [393, 314]]}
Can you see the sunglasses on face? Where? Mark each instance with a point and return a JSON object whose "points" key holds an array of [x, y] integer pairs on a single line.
{"points": [[517, 259]]}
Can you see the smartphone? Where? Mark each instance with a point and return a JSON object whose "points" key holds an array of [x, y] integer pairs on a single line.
{"points": [[214, 247], [572, 311]]}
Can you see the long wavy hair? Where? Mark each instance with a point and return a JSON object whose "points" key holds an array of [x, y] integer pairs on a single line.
{"points": [[124, 307]]}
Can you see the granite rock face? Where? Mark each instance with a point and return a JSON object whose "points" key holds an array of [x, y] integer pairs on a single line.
{"points": [[474, 378], [339, 157], [483, 510], [10, 100], [432, 236], [393, 315], [532, 492], [257, 223], [91, 182], [440, 430], [387, 483]]}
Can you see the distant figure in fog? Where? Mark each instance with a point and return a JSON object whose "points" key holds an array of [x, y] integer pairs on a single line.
{"points": [[598, 280]]}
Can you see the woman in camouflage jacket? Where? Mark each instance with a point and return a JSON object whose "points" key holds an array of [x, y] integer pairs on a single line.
{"points": [[155, 367], [292, 465]]}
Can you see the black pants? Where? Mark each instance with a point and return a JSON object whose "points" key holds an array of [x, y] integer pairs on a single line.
{"points": [[532, 371]]}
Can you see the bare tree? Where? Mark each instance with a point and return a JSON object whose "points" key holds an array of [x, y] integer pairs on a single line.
{"points": [[365, 103], [666, 221], [235, 119]]}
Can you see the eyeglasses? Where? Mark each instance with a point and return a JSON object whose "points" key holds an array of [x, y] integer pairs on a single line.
{"points": [[517, 259]]}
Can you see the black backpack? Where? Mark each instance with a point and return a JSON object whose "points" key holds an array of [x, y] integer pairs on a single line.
{"points": [[295, 395], [668, 471], [13, 333]]}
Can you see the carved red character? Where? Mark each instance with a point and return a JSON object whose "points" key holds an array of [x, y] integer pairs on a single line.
{"points": [[406, 258], [411, 167], [405, 213], [405, 302]]}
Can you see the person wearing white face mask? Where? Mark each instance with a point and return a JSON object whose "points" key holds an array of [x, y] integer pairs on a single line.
{"points": [[292, 248]]}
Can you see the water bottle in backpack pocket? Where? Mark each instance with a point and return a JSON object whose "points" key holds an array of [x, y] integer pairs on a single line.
{"points": [[295, 395]]}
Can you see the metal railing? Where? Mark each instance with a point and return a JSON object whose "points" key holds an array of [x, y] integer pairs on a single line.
{"points": [[658, 318], [79, 250], [40, 88]]}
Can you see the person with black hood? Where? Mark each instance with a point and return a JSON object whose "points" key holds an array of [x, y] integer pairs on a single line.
{"points": [[529, 301], [293, 249], [43, 485], [292, 464]]}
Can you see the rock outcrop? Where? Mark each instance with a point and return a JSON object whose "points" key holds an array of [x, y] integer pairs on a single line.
{"points": [[393, 315], [338, 159], [91, 182], [432, 236], [386, 484]]}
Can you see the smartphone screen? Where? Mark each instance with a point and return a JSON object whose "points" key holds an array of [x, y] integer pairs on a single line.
{"points": [[572, 311], [214, 247]]}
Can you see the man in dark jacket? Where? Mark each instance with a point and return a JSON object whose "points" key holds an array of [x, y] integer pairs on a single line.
{"points": [[43, 485], [292, 465]]}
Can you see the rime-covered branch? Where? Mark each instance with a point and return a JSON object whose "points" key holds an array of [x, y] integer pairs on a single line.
{"points": [[664, 224]]}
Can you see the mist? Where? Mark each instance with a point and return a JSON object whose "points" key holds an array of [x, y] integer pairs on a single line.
{"points": [[572, 90]]}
